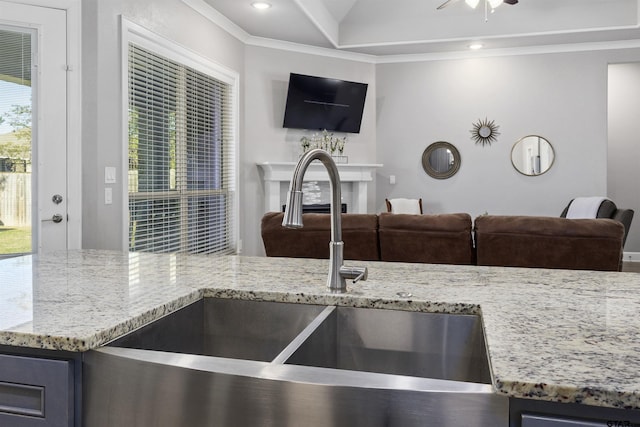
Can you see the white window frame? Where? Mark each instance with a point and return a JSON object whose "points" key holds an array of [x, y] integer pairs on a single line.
{"points": [[134, 33]]}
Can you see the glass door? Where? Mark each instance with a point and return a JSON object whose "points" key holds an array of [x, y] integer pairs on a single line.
{"points": [[33, 169], [16, 234]]}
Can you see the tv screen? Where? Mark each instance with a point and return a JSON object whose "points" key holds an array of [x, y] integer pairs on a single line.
{"points": [[317, 103]]}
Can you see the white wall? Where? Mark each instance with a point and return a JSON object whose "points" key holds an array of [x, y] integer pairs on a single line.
{"points": [[562, 97], [266, 80], [624, 148], [103, 225]]}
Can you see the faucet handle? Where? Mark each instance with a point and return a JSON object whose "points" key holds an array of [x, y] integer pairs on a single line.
{"points": [[354, 273]]}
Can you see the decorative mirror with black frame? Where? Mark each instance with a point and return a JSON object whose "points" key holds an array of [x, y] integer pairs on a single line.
{"points": [[485, 132], [441, 160], [532, 155]]}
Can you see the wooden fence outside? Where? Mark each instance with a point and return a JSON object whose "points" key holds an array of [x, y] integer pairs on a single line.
{"points": [[15, 199]]}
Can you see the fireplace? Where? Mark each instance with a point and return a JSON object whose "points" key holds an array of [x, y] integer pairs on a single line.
{"points": [[320, 208], [354, 177]]}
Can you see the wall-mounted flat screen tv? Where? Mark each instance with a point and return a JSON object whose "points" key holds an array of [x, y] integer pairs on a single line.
{"points": [[318, 103]]}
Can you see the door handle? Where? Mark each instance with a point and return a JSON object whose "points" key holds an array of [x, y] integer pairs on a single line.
{"points": [[55, 218]]}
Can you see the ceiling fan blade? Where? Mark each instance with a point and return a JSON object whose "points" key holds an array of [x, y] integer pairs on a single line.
{"points": [[510, 1], [447, 3]]}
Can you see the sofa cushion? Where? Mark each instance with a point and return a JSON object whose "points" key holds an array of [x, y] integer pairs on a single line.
{"points": [[359, 234], [549, 242], [437, 239]]}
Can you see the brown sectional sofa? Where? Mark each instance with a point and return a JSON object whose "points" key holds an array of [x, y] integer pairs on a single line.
{"points": [[548, 242], [511, 241], [435, 239]]}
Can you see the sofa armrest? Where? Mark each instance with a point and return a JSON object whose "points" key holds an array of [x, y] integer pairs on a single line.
{"points": [[549, 242], [625, 216], [437, 239]]}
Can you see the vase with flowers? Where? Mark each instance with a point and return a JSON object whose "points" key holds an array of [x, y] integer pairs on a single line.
{"points": [[326, 141]]}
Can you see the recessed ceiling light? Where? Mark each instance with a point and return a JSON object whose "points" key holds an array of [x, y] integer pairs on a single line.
{"points": [[475, 46], [261, 5]]}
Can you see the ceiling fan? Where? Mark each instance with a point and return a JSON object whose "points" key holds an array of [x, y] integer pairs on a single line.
{"points": [[474, 3]]}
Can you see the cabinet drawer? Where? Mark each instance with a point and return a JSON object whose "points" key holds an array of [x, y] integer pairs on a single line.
{"points": [[35, 392], [533, 420]]}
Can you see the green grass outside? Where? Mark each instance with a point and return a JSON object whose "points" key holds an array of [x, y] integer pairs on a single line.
{"points": [[15, 240]]}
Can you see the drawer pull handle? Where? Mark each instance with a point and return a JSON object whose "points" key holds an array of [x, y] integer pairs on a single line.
{"points": [[21, 399]]}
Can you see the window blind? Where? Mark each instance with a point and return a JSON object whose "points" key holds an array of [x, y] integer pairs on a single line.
{"points": [[181, 157], [15, 62]]}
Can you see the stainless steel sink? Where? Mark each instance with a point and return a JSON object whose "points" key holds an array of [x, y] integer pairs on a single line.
{"points": [[225, 328], [426, 345], [223, 362]]}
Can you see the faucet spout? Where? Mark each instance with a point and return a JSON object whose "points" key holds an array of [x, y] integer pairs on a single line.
{"points": [[293, 216]]}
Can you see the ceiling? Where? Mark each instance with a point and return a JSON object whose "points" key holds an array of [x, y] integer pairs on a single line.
{"points": [[404, 27]]}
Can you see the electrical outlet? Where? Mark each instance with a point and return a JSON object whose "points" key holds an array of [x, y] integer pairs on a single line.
{"points": [[108, 196]]}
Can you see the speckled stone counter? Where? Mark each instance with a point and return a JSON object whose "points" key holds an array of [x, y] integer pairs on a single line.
{"points": [[557, 335]]}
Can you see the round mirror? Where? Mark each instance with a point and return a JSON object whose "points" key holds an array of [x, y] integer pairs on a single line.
{"points": [[532, 155], [441, 160], [484, 131]]}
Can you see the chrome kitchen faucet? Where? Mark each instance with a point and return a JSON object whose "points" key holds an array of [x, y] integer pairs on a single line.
{"points": [[293, 219]]}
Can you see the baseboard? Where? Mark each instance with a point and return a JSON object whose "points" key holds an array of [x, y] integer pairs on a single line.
{"points": [[631, 257]]}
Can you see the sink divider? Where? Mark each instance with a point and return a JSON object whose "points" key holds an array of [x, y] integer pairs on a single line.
{"points": [[286, 353]]}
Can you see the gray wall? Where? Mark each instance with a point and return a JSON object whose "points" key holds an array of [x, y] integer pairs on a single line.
{"points": [[562, 97], [102, 146], [266, 80], [623, 174], [264, 75]]}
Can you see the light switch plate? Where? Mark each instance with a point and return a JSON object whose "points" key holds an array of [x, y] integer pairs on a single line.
{"points": [[109, 175], [108, 196]]}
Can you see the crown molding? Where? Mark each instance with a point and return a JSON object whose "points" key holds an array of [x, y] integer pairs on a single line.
{"points": [[310, 50], [217, 18], [58, 4], [515, 51], [441, 56]]}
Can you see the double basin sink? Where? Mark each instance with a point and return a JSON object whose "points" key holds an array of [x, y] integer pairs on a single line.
{"points": [[227, 362]]}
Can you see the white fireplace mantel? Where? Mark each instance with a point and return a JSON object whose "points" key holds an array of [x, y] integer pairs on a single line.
{"points": [[358, 175]]}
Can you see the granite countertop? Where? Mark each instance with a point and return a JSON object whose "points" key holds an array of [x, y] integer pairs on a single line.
{"points": [[557, 335]]}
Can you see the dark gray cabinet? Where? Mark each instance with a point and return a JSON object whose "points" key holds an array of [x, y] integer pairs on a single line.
{"points": [[538, 413], [36, 392], [534, 420]]}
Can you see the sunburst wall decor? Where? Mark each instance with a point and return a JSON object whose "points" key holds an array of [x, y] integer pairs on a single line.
{"points": [[485, 132]]}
